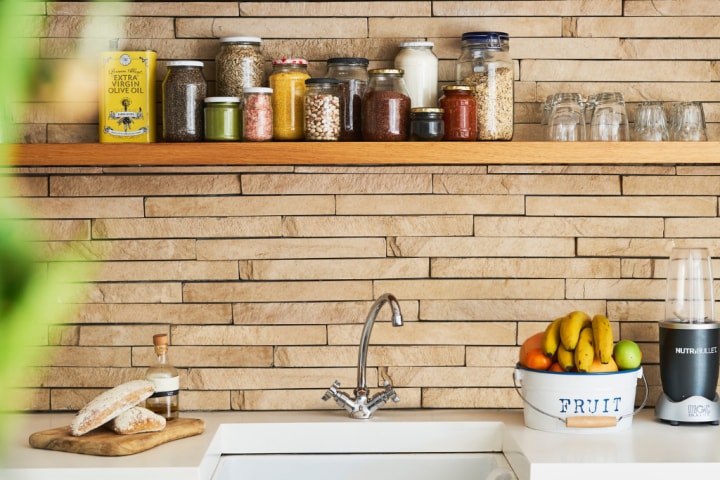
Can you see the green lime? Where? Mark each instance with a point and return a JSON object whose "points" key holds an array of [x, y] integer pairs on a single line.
{"points": [[627, 355]]}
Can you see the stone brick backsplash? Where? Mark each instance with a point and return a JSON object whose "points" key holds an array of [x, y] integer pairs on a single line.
{"points": [[263, 275]]}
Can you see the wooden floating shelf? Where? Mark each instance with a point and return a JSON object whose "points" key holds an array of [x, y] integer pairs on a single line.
{"points": [[365, 153]]}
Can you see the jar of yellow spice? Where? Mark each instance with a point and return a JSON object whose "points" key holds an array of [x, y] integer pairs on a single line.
{"points": [[288, 83]]}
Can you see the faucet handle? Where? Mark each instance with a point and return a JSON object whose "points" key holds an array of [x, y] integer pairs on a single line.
{"points": [[390, 392], [332, 391]]}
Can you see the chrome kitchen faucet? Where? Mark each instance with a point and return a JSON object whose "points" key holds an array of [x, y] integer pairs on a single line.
{"points": [[360, 406]]}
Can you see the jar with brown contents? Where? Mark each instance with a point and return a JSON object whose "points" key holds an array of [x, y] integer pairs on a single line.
{"points": [[239, 64], [352, 74], [386, 107], [288, 83], [460, 113]]}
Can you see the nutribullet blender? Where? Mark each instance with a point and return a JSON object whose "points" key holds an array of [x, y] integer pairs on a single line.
{"points": [[689, 341]]}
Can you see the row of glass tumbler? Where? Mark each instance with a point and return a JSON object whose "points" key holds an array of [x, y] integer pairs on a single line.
{"points": [[566, 116], [313, 108]]}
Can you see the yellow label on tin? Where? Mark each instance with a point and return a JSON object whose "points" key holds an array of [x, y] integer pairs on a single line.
{"points": [[127, 97]]}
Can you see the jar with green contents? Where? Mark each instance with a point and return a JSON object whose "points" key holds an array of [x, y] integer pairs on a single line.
{"points": [[222, 118], [288, 83]]}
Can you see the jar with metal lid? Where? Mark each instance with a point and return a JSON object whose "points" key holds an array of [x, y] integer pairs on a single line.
{"points": [[486, 66], [352, 74], [239, 64], [426, 124], [386, 107], [460, 113], [222, 118], [288, 83], [183, 91], [420, 65], [257, 114], [322, 109]]}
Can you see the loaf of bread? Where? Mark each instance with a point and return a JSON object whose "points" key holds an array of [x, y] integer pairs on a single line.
{"points": [[109, 405], [137, 420]]}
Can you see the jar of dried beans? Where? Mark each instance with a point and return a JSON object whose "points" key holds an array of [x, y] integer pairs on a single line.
{"points": [[352, 74], [257, 114], [239, 64], [183, 91], [486, 66], [322, 109], [288, 83], [386, 107], [460, 113]]}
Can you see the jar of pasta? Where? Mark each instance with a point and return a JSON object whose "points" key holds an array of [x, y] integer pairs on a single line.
{"points": [[287, 81], [486, 66]]}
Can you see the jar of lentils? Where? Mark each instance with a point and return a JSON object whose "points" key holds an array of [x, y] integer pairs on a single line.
{"points": [[183, 91], [352, 74], [460, 113], [322, 109], [386, 107], [239, 64], [486, 66], [288, 83], [257, 114]]}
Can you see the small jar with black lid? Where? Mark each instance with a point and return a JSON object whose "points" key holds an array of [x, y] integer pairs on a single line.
{"points": [[183, 91], [426, 124]]}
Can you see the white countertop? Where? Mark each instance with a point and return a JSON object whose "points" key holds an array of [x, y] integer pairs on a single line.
{"points": [[648, 449]]}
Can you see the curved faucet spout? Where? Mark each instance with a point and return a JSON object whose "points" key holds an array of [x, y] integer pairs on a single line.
{"points": [[367, 330], [361, 406]]}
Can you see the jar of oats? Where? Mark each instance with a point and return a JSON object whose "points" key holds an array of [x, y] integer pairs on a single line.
{"points": [[239, 64], [486, 66], [288, 83], [322, 109]]}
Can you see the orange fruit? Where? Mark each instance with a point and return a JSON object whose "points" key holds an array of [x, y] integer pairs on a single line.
{"points": [[531, 343], [555, 367], [598, 367], [537, 360]]}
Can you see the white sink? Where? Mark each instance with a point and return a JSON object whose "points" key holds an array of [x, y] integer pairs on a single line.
{"points": [[398, 444]]}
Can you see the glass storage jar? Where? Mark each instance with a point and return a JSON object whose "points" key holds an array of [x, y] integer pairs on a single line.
{"points": [[486, 66], [460, 113], [222, 118], [386, 107], [183, 91], [257, 114], [288, 83], [239, 64], [322, 109], [420, 65], [426, 124], [352, 74]]}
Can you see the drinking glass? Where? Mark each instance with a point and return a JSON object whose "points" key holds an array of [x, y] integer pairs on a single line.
{"points": [[687, 122], [650, 123], [566, 122], [609, 118]]}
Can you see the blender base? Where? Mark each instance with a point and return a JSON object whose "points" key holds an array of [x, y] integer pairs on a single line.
{"points": [[695, 409]]}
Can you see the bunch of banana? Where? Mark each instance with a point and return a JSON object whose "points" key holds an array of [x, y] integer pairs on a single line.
{"points": [[576, 339]]}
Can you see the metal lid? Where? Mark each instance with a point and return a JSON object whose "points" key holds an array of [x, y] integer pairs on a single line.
{"points": [[417, 44], [387, 71], [320, 80], [252, 40], [257, 90], [426, 110], [348, 61], [289, 61], [222, 99], [457, 87], [185, 63]]}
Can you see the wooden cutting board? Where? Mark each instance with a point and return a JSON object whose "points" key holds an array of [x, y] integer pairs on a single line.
{"points": [[104, 442]]}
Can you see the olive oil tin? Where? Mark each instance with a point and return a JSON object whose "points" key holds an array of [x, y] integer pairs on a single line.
{"points": [[127, 97]]}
